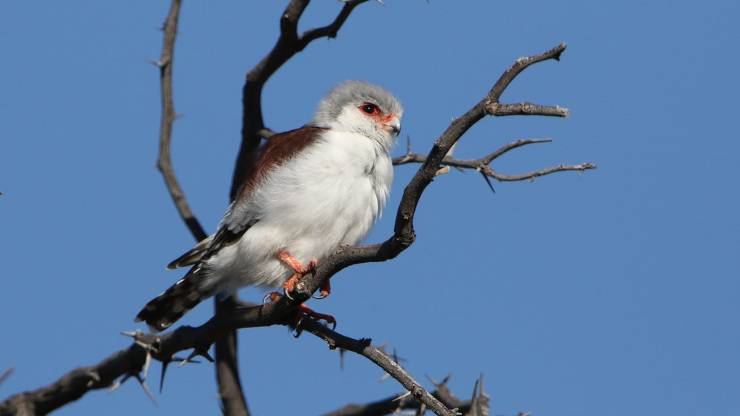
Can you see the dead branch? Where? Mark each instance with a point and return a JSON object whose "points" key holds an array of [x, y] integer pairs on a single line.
{"points": [[404, 234], [130, 362], [526, 109], [227, 374], [482, 165], [394, 404], [164, 161], [382, 360]]}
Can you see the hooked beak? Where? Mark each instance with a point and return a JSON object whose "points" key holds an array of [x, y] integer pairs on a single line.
{"points": [[393, 126]]}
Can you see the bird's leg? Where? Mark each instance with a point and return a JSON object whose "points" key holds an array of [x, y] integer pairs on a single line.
{"points": [[304, 310], [299, 269]]}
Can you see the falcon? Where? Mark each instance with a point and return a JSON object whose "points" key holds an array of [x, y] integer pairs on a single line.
{"points": [[309, 191]]}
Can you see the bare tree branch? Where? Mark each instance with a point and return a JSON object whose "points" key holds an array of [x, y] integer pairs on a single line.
{"points": [[283, 311], [381, 359], [482, 165], [230, 390], [75, 384], [232, 397], [131, 362], [288, 44], [393, 404], [164, 162], [526, 109]]}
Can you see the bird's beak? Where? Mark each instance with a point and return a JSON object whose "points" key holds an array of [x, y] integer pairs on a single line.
{"points": [[393, 126]]}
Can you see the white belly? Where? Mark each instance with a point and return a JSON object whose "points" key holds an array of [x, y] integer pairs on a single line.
{"points": [[310, 207]]}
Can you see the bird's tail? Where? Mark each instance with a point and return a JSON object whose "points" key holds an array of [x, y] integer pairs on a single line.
{"points": [[164, 310]]}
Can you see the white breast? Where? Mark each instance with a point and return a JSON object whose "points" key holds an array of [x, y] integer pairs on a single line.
{"points": [[327, 196]]}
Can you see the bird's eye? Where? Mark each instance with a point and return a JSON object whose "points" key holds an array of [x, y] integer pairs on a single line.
{"points": [[370, 108]]}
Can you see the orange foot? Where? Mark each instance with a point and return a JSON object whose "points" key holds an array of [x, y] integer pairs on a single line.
{"points": [[299, 269], [304, 311], [324, 290]]}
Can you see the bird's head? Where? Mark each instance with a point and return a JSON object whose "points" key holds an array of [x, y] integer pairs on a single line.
{"points": [[362, 108]]}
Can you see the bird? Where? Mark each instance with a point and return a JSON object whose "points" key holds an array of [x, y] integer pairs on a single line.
{"points": [[309, 191]]}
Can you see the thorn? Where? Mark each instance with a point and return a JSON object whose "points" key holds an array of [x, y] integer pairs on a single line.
{"points": [[116, 384], [401, 397], [341, 358], [488, 181], [207, 356], [438, 384], [142, 383], [5, 374], [298, 328], [196, 352], [165, 363], [397, 358], [408, 144], [421, 410], [182, 361], [147, 363], [452, 149], [132, 334]]}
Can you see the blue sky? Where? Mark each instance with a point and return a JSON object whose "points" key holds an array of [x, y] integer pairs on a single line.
{"points": [[611, 292]]}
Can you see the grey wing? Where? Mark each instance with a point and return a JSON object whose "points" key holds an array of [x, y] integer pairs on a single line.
{"points": [[242, 214], [236, 222], [191, 256]]}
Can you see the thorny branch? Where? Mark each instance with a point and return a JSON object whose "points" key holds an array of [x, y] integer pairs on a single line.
{"points": [[482, 164], [163, 347], [396, 403], [227, 373], [134, 360]]}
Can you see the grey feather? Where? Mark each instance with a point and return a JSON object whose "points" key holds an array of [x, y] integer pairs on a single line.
{"points": [[192, 256], [356, 93]]}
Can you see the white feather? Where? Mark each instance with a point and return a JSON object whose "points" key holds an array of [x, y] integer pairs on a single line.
{"points": [[328, 195]]}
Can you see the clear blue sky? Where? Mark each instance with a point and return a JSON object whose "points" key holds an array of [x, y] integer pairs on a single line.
{"points": [[611, 292]]}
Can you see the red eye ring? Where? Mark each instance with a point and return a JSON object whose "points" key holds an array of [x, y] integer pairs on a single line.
{"points": [[370, 108]]}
